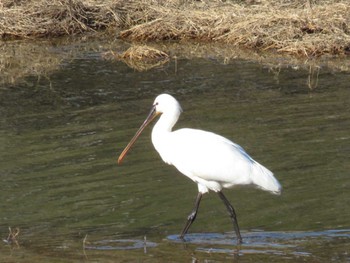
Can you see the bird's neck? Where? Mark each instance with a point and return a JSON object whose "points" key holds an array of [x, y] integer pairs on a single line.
{"points": [[163, 127], [166, 122]]}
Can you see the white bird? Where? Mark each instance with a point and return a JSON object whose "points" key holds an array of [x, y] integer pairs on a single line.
{"points": [[208, 159]]}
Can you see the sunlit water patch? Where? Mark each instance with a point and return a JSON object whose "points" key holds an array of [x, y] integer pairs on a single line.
{"points": [[261, 242], [120, 244]]}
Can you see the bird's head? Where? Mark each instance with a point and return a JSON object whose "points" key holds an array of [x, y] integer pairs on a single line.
{"points": [[163, 104]]}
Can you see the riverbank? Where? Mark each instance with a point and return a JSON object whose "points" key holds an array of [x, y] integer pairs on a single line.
{"points": [[300, 28]]}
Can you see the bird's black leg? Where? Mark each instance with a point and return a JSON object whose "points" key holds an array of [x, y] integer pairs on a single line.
{"points": [[192, 216], [233, 216]]}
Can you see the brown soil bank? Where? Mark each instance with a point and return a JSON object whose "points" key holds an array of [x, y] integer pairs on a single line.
{"points": [[297, 27]]}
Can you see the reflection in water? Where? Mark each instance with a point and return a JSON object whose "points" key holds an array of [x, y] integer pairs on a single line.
{"points": [[60, 138]]}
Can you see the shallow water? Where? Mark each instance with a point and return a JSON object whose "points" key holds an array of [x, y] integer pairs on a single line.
{"points": [[61, 187]]}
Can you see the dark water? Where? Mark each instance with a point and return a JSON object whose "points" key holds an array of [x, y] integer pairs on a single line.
{"points": [[66, 199]]}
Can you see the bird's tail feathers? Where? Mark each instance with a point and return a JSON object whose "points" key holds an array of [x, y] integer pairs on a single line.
{"points": [[264, 179]]}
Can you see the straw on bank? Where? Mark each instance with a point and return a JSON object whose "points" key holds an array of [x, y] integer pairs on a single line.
{"points": [[300, 27], [322, 29], [140, 57]]}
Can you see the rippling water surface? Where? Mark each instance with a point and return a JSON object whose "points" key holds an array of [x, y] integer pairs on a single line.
{"points": [[66, 199]]}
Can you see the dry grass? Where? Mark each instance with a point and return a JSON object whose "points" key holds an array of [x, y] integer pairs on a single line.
{"points": [[144, 53], [53, 18], [293, 29], [298, 27], [141, 57], [12, 237]]}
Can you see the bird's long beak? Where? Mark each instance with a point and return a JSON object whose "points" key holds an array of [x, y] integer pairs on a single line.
{"points": [[153, 113]]}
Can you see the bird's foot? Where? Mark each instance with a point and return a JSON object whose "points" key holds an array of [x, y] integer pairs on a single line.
{"points": [[239, 241], [182, 237]]}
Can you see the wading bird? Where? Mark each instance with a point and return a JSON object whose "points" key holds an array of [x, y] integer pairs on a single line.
{"points": [[208, 159]]}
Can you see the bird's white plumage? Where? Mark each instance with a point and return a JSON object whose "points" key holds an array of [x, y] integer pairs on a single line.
{"points": [[210, 160]]}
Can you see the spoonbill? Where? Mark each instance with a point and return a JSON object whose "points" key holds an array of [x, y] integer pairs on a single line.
{"points": [[208, 159]]}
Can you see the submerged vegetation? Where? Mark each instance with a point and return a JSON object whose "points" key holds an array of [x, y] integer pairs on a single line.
{"points": [[298, 27]]}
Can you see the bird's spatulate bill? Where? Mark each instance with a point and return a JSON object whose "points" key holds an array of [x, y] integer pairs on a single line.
{"points": [[153, 113]]}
